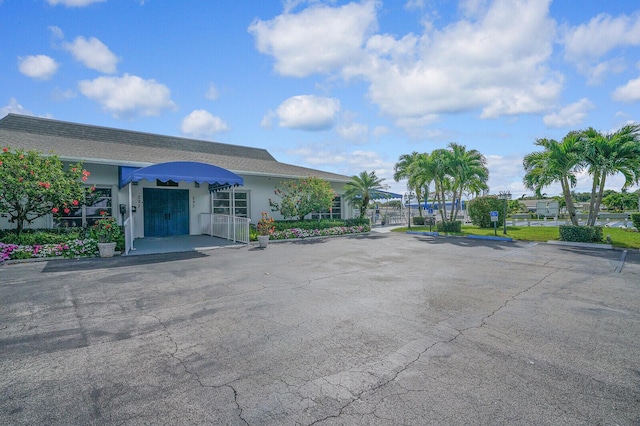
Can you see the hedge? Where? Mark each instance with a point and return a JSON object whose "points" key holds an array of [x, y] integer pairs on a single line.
{"points": [[449, 226], [581, 234], [635, 218]]}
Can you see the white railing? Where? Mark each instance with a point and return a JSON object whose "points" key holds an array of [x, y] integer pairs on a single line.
{"points": [[128, 241], [232, 228]]}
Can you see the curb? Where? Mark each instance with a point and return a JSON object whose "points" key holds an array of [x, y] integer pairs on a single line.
{"points": [[433, 234], [489, 237], [584, 245]]}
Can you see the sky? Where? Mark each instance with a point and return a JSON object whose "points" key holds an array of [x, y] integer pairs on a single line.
{"points": [[339, 86]]}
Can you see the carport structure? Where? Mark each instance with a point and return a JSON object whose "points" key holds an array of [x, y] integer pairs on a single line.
{"points": [[163, 205]]}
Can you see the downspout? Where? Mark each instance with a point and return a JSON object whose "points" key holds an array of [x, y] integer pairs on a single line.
{"points": [[130, 218], [233, 215]]}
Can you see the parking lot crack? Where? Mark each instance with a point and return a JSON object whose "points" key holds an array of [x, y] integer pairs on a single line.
{"points": [[174, 355]]}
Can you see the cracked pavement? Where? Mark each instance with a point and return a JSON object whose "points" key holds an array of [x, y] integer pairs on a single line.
{"points": [[385, 329]]}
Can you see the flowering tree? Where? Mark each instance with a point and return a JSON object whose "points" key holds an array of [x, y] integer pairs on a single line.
{"points": [[303, 196], [32, 186]]}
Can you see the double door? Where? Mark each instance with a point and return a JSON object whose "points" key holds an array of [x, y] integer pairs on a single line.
{"points": [[166, 212]]}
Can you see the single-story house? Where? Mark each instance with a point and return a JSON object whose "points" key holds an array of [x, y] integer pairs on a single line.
{"points": [[162, 185]]}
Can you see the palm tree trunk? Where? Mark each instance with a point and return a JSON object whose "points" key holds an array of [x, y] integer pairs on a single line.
{"points": [[596, 208], [566, 191], [442, 205], [592, 200]]}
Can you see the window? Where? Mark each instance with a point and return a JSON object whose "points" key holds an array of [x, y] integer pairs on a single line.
{"points": [[88, 214], [334, 213], [222, 203]]}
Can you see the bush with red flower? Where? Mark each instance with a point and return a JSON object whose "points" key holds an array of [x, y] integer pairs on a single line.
{"points": [[33, 185], [106, 229]]}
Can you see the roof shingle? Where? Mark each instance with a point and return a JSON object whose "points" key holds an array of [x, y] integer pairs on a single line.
{"points": [[103, 145]]}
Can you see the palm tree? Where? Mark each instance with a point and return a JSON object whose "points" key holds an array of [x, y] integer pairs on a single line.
{"points": [[439, 169], [559, 162], [405, 168], [421, 176], [608, 154], [359, 190], [468, 171]]}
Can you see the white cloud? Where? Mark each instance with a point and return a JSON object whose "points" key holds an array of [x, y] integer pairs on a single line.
{"points": [[41, 67], [267, 120], [630, 92], [56, 32], [319, 39], [73, 3], [355, 132], [15, 108], [569, 116], [586, 44], [200, 123], [494, 61], [414, 5], [601, 35], [319, 156], [212, 92], [93, 54], [380, 131], [505, 173], [308, 112], [128, 96], [62, 95]]}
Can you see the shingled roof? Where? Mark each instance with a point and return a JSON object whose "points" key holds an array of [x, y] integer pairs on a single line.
{"points": [[108, 145]]}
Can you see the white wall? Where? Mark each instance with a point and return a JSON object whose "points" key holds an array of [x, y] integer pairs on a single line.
{"points": [[259, 190]]}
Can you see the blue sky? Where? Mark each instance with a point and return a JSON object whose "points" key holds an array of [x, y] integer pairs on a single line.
{"points": [[333, 85]]}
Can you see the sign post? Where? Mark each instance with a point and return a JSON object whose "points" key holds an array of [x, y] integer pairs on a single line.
{"points": [[494, 219]]}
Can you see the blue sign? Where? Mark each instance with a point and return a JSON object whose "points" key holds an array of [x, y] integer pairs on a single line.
{"points": [[430, 211], [494, 216]]}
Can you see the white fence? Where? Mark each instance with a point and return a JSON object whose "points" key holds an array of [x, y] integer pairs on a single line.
{"points": [[232, 228]]}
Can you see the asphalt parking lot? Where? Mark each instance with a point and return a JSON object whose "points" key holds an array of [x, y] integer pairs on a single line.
{"points": [[385, 329]]}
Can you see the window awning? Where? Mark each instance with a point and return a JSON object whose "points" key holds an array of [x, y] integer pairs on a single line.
{"points": [[186, 171]]}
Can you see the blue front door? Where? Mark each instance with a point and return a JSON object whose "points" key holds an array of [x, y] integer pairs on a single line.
{"points": [[166, 212]]}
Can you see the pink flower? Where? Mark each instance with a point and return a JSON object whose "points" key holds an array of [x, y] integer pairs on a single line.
{"points": [[55, 210], [67, 211], [75, 202]]}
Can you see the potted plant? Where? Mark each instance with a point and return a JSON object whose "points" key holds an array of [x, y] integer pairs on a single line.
{"points": [[106, 231], [265, 229]]}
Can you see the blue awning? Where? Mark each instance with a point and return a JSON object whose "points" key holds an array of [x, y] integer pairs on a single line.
{"points": [[186, 171]]}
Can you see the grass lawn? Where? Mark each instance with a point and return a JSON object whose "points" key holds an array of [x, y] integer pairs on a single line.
{"points": [[619, 237]]}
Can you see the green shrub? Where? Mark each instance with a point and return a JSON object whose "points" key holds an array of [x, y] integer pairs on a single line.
{"points": [[32, 237], [635, 218], [282, 225], [418, 220], [449, 226], [357, 222], [480, 207], [581, 234]]}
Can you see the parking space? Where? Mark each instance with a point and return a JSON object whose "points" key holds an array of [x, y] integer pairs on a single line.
{"points": [[383, 329]]}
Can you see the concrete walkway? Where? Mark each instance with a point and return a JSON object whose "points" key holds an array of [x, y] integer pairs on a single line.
{"points": [[178, 243]]}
